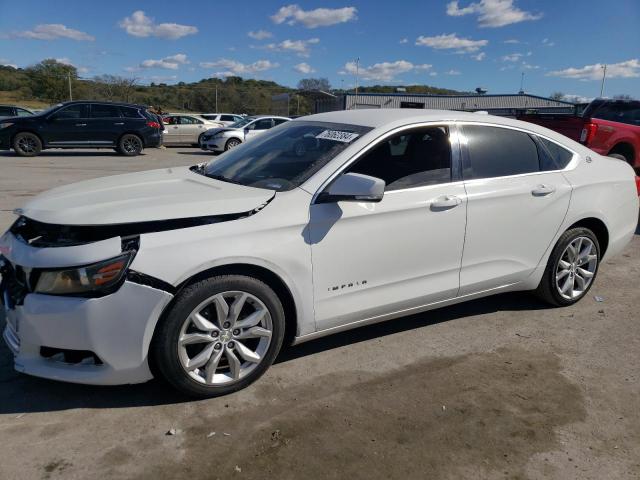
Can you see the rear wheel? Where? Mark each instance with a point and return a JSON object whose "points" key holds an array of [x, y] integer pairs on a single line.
{"points": [[571, 269], [27, 144], [619, 156], [220, 336], [232, 143], [130, 145]]}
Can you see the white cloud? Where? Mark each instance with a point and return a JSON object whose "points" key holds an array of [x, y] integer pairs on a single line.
{"points": [[260, 34], [479, 57], [453, 72], [547, 43], [53, 31], [172, 62], [528, 66], [304, 68], [403, 41], [385, 71], [67, 61], [493, 13], [233, 67], [512, 41], [320, 17], [300, 47], [433, 74], [6, 63], [451, 41], [139, 25], [628, 69], [512, 57], [576, 98]]}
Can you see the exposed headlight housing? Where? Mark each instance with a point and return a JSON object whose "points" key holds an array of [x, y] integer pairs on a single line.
{"points": [[5, 125], [95, 278]]}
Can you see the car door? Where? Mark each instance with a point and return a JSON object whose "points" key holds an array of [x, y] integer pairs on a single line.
{"points": [[516, 206], [256, 128], [190, 129], [375, 259], [105, 124], [67, 125], [171, 129]]}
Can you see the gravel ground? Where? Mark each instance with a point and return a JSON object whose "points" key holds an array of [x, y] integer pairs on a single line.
{"points": [[502, 387]]}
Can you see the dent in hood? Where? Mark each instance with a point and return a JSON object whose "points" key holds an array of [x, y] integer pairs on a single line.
{"points": [[173, 194]]}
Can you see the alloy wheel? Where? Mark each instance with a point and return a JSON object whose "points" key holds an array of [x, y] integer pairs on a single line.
{"points": [[131, 145], [576, 268], [27, 144], [225, 338]]}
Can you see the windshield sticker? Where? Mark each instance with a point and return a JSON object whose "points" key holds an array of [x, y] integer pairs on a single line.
{"points": [[337, 136]]}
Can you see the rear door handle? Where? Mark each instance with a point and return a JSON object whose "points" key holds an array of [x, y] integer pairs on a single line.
{"points": [[543, 190], [445, 202], [119, 123], [81, 124]]}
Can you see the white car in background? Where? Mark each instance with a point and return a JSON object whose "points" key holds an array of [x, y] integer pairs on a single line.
{"points": [[223, 139], [225, 119], [185, 129], [200, 274]]}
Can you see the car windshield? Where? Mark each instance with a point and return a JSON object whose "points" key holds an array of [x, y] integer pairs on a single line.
{"points": [[242, 123], [286, 156]]}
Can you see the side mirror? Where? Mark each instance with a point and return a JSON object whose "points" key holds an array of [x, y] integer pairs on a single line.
{"points": [[353, 187]]}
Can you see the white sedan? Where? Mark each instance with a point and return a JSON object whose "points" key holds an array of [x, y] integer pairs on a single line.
{"points": [[327, 223], [223, 139]]}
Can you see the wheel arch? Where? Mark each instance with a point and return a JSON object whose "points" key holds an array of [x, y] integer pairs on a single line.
{"points": [[598, 228], [625, 149], [28, 130], [132, 132]]}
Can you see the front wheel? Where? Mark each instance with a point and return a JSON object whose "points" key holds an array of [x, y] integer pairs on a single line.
{"points": [[571, 269], [27, 144], [130, 145], [220, 336], [232, 143]]}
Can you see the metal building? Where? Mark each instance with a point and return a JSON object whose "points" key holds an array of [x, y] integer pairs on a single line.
{"points": [[504, 105]]}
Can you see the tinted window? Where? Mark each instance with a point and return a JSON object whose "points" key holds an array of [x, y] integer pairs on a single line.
{"points": [[78, 110], [498, 152], [21, 112], [6, 111], [628, 113], [189, 121], [263, 124], [104, 111], [278, 121], [559, 156], [227, 118], [129, 112], [171, 120], [410, 159]]}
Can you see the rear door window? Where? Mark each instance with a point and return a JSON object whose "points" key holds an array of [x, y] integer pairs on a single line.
{"points": [[104, 111], [498, 152], [622, 112], [263, 124], [129, 112]]}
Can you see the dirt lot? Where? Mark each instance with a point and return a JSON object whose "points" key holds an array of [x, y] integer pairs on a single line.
{"points": [[496, 388]]}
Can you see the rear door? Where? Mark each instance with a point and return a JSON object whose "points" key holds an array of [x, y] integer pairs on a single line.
{"points": [[67, 126], [190, 129], [171, 129], [105, 124], [517, 203]]}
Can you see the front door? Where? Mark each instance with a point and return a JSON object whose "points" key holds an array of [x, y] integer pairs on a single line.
{"points": [[372, 259], [517, 203], [190, 129], [257, 127], [67, 126], [171, 129]]}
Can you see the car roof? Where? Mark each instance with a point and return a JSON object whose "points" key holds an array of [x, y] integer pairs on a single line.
{"points": [[118, 104]]}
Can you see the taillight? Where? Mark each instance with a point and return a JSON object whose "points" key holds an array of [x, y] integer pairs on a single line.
{"points": [[588, 132], [153, 124], [638, 185]]}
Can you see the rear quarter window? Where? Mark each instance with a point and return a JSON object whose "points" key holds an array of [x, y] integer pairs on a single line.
{"points": [[559, 157]]}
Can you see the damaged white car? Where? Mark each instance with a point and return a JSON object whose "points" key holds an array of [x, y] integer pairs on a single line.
{"points": [[326, 223]]}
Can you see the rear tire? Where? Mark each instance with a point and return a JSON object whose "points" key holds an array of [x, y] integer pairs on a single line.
{"points": [[232, 143], [569, 276], [130, 145], [204, 349], [619, 156], [27, 144]]}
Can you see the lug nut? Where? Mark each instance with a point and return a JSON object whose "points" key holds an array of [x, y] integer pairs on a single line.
{"points": [[217, 346], [231, 344], [226, 324], [215, 334], [236, 332]]}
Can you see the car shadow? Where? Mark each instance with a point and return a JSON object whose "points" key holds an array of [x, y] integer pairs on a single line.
{"points": [[71, 153], [25, 394]]}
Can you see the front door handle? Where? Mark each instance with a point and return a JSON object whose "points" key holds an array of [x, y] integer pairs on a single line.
{"points": [[81, 124], [543, 190], [119, 123], [445, 202]]}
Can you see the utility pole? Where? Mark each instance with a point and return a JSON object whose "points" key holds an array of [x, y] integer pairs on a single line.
{"points": [[604, 75], [217, 111], [522, 82], [69, 78], [298, 97], [357, 73]]}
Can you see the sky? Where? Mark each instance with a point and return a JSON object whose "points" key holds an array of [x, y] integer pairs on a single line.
{"points": [[560, 45]]}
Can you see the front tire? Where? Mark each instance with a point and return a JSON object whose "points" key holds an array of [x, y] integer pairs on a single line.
{"points": [[220, 336], [232, 143], [571, 269], [130, 145], [27, 144]]}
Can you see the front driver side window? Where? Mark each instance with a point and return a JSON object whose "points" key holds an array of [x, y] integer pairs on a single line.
{"points": [[71, 112], [413, 158]]}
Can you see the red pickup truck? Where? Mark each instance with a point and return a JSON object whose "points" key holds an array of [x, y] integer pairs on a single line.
{"points": [[608, 127]]}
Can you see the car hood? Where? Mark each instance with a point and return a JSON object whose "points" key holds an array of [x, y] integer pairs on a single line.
{"points": [[166, 194]]}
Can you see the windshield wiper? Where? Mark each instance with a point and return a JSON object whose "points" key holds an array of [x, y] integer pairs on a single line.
{"points": [[222, 178]]}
